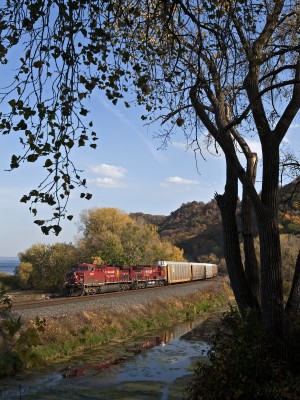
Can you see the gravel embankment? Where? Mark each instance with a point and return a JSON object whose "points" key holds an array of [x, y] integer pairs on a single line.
{"points": [[120, 302]]}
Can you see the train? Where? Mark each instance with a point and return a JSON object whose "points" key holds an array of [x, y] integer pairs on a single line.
{"points": [[89, 279]]}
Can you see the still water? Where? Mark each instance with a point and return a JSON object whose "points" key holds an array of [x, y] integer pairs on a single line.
{"points": [[156, 367], [8, 265]]}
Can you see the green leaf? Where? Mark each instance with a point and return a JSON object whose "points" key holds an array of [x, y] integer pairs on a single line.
{"points": [[56, 229], [12, 102], [83, 111], [45, 230], [39, 222], [32, 157], [180, 121], [70, 143], [48, 163], [81, 95], [14, 163], [38, 64], [24, 199]]}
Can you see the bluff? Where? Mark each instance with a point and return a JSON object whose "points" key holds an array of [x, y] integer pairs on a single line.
{"points": [[196, 226]]}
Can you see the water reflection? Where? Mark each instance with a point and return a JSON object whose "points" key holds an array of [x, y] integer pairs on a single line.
{"points": [[146, 369]]}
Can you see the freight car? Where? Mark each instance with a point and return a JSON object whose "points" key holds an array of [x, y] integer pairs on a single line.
{"points": [[177, 272], [93, 278]]}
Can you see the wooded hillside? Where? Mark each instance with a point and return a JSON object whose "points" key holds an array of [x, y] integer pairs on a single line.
{"points": [[196, 226]]}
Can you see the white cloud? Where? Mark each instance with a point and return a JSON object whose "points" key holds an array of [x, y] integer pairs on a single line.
{"points": [[109, 176], [177, 180], [108, 183], [295, 126], [107, 170]]}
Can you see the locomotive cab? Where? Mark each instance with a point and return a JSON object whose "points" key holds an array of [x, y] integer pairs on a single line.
{"points": [[80, 276]]}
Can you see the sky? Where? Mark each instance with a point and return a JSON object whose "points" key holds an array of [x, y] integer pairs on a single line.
{"points": [[129, 170]]}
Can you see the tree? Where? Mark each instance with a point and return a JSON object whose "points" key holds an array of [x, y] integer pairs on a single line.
{"points": [[24, 275], [225, 70], [220, 70], [116, 238], [44, 266], [37, 257], [43, 103]]}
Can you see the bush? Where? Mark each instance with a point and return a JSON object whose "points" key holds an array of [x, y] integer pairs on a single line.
{"points": [[17, 342], [24, 275], [8, 282], [241, 365]]}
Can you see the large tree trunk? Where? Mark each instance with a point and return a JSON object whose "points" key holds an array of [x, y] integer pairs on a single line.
{"points": [[227, 204], [270, 251], [251, 264], [271, 278]]}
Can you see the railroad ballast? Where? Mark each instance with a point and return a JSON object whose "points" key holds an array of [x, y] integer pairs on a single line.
{"points": [[86, 279]]}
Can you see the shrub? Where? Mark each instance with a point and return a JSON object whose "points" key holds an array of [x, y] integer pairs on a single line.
{"points": [[17, 342], [8, 282], [241, 365]]}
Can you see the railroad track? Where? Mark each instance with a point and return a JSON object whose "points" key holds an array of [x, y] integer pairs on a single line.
{"points": [[35, 304], [107, 302]]}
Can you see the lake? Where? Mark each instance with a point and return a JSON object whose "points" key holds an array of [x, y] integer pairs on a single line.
{"points": [[8, 264]]}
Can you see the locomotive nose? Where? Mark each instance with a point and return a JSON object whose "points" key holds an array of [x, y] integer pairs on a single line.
{"points": [[71, 277]]}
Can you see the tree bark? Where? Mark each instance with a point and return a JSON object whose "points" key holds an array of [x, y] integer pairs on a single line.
{"points": [[270, 251], [251, 264], [227, 205]]}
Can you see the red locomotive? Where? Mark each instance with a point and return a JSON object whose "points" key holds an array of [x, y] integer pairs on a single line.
{"points": [[93, 278]]}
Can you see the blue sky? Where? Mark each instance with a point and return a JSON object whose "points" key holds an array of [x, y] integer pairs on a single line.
{"points": [[127, 171]]}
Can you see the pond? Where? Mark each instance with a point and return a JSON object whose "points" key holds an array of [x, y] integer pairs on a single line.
{"points": [[154, 367]]}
